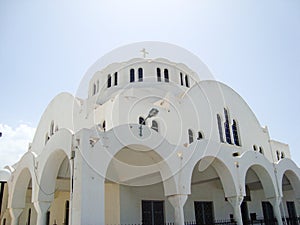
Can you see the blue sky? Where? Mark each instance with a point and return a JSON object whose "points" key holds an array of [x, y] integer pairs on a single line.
{"points": [[47, 46]]}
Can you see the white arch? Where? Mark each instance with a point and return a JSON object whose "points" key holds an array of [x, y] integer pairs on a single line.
{"points": [[263, 168], [50, 159], [290, 169], [19, 181]]}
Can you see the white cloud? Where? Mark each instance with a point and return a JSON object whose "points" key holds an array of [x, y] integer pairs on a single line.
{"points": [[14, 142]]}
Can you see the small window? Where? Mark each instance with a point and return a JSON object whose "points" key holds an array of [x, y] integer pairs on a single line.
{"points": [[104, 125], [47, 138], [158, 74], [261, 150], [52, 128], [166, 74], [109, 81], [142, 121], [227, 127], [181, 79], [220, 128], [116, 78], [254, 147], [29, 216], [282, 155], [131, 75], [278, 155], [154, 125], [4, 221], [235, 133], [187, 84], [191, 136], [140, 73], [94, 89], [200, 136]]}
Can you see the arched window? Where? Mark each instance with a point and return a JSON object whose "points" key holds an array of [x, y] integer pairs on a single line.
{"points": [[116, 78], [4, 221], [254, 147], [261, 150], [67, 207], [140, 73], [142, 121], [227, 127], [278, 155], [154, 125], [158, 74], [191, 136], [166, 75], [109, 81], [235, 133], [282, 155], [220, 128], [47, 138], [131, 75], [200, 136], [187, 84], [52, 128], [94, 89], [104, 125], [181, 79]]}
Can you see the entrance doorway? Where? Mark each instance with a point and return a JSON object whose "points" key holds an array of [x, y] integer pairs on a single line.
{"points": [[153, 212], [204, 213]]}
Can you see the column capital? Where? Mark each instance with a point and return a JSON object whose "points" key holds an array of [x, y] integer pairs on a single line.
{"points": [[15, 214], [235, 200], [177, 200], [41, 206]]}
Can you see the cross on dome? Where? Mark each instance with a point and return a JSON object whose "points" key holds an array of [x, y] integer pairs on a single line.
{"points": [[144, 52]]}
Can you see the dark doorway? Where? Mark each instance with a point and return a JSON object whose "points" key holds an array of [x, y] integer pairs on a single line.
{"points": [[244, 211], [268, 213], [292, 213], [204, 213], [153, 212]]}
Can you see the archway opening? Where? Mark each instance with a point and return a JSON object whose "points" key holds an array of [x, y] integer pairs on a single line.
{"points": [[134, 189], [210, 184], [290, 190]]}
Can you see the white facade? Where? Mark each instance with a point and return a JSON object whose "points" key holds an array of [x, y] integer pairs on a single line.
{"points": [[91, 162]]}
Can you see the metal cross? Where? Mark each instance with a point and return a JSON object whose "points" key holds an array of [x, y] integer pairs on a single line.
{"points": [[144, 52]]}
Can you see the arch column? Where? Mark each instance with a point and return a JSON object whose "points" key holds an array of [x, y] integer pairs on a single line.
{"points": [[178, 201], [41, 209], [87, 198], [236, 202], [275, 202], [15, 214]]}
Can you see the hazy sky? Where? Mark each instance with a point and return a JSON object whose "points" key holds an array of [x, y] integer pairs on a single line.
{"points": [[47, 46]]}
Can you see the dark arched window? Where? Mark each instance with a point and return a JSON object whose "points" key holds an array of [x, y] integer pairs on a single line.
{"points": [[104, 125], [200, 136], [131, 75], [254, 148], [187, 84], [140, 73], [166, 75], [52, 128], [227, 127], [154, 125], [181, 79], [261, 150], [158, 74], [109, 81], [220, 128], [191, 136], [278, 155], [142, 121], [235, 133], [94, 89], [116, 78], [282, 155]]}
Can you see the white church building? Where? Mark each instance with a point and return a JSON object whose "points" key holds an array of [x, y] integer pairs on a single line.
{"points": [[154, 142]]}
